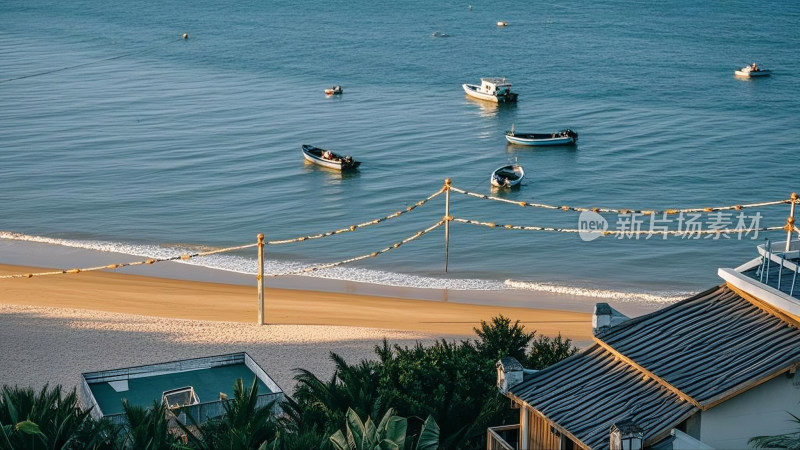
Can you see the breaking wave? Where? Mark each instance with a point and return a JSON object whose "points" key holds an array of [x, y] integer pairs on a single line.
{"points": [[247, 265], [621, 296]]}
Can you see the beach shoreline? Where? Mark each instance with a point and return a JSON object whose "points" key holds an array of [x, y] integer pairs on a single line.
{"points": [[52, 328], [43, 257], [192, 300]]}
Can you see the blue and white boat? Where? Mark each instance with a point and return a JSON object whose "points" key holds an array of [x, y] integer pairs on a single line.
{"points": [[752, 71], [327, 158], [563, 137], [507, 176]]}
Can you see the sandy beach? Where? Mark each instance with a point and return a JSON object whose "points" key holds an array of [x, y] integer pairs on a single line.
{"points": [[53, 328]]}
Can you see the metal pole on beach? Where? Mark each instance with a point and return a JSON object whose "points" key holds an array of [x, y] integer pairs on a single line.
{"points": [[790, 222], [447, 219], [260, 278]]}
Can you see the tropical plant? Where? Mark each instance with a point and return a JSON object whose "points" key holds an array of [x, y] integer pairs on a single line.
{"points": [[148, 429], [788, 440], [450, 381], [500, 338], [546, 351], [300, 428], [391, 433], [325, 403], [46, 420], [244, 425]]}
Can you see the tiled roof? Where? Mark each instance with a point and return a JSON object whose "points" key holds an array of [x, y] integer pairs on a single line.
{"points": [[589, 392], [709, 345], [698, 351]]}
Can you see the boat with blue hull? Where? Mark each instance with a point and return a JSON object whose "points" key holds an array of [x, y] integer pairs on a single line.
{"points": [[563, 137], [329, 159]]}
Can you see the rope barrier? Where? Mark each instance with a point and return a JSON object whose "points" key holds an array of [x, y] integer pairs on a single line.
{"points": [[396, 245], [624, 232], [92, 62], [525, 204], [619, 232], [360, 225], [184, 257]]}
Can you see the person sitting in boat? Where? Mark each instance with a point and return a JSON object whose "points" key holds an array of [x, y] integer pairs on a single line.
{"points": [[754, 67], [327, 154]]}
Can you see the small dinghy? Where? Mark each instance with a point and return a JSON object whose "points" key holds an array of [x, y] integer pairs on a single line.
{"points": [[327, 158], [563, 137], [752, 71], [335, 90], [507, 176]]}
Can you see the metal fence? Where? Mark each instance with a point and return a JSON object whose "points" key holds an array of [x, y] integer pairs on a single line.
{"points": [[202, 411]]}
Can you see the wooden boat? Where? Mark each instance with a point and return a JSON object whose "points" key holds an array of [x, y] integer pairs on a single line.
{"points": [[327, 158], [496, 90], [333, 90], [507, 176], [563, 137], [752, 71]]}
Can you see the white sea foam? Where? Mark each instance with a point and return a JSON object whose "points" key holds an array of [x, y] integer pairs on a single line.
{"points": [[245, 265], [621, 296]]}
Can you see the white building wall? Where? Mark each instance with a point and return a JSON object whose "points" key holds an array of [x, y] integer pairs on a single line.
{"points": [[760, 411]]}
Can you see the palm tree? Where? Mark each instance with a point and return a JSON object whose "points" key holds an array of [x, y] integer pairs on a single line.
{"points": [[300, 428], [148, 429], [789, 440], [327, 402], [46, 420], [244, 425]]}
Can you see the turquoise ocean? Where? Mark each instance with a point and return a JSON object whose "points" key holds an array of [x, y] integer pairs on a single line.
{"points": [[117, 135]]}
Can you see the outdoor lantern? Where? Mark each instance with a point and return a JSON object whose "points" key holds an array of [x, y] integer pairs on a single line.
{"points": [[626, 435]]}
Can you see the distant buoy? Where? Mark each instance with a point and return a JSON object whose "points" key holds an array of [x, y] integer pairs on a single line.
{"points": [[502, 24], [186, 35]]}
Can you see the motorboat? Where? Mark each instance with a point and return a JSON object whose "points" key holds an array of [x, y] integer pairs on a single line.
{"points": [[563, 137], [752, 71], [496, 90], [329, 159], [507, 176], [333, 90]]}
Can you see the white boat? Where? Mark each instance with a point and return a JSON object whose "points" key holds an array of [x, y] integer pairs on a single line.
{"points": [[496, 90], [507, 176], [327, 158], [752, 71], [563, 137], [333, 90]]}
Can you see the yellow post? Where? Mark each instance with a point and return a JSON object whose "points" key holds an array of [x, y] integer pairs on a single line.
{"points": [[790, 222], [447, 220], [260, 278]]}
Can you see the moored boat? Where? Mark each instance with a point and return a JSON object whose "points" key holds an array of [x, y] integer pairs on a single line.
{"points": [[507, 176], [496, 90], [563, 137], [752, 71], [329, 159]]}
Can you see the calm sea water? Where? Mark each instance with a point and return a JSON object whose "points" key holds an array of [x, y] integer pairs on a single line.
{"points": [[118, 135]]}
